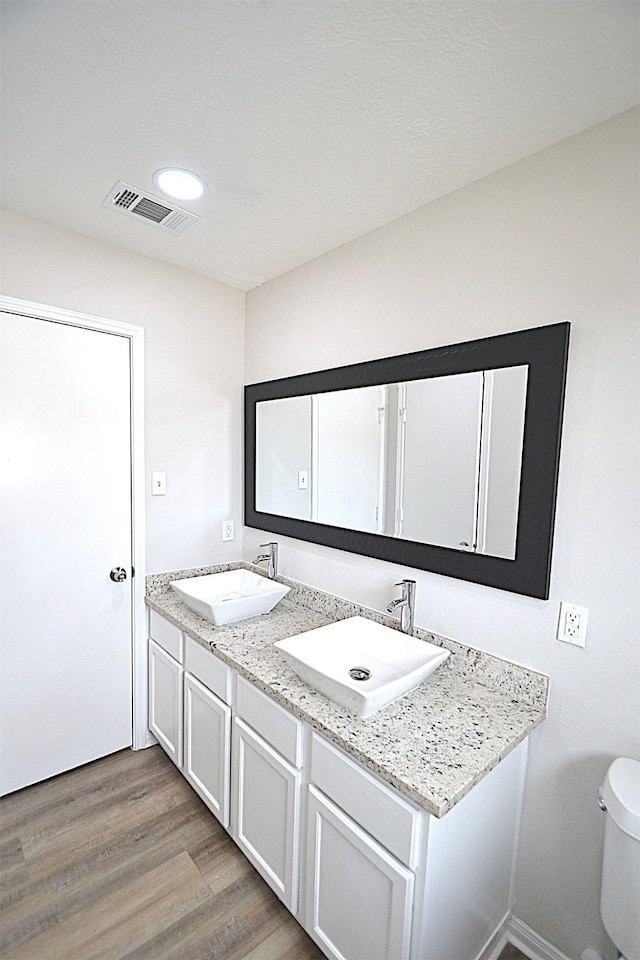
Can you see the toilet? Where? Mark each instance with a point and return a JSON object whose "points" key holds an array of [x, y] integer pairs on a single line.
{"points": [[619, 796]]}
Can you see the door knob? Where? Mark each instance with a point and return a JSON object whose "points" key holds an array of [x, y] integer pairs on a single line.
{"points": [[118, 574]]}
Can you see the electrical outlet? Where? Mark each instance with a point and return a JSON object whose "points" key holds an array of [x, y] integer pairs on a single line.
{"points": [[303, 480], [572, 626], [227, 530]]}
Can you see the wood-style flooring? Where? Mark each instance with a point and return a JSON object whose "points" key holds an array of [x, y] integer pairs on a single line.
{"points": [[120, 859]]}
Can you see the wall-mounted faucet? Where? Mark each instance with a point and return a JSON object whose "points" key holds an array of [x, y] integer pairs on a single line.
{"points": [[272, 557], [406, 605]]}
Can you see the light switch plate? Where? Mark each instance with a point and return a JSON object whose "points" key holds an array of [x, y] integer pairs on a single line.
{"points": [[158, 484]]}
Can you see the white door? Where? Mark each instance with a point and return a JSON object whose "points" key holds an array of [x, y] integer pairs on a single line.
{"points": [[66, 642]]}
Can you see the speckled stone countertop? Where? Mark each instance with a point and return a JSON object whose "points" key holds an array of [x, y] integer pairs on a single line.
{"points": [[433, 745]]}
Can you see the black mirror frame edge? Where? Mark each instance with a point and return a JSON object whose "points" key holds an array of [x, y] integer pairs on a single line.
{"points": [[545, 351]]}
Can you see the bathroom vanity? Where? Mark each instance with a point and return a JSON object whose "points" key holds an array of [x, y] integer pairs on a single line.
{"points": [[390, 837]]}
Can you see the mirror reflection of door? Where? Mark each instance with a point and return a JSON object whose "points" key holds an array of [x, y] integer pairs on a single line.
{"points": [[460, 457], [501, 464], [440, 443]]}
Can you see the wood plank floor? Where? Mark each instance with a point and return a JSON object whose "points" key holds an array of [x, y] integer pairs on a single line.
{"points": [[120, 859]]}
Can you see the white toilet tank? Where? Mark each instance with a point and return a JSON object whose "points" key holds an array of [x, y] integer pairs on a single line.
{"points": [[620, 894]]}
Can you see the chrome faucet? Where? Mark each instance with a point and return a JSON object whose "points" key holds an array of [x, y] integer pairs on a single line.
{"points": [[406, 605], [272, 557]]}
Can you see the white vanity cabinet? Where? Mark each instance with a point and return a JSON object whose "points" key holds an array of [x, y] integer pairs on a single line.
{"points": [[166, 656], [466, 894], [266, 788], [207, 728], [189, 711], [386, 880], [362, 850], [367, 872]]}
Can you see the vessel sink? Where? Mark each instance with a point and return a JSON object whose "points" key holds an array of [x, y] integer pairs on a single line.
{"points": [[360, 664], [226, 597]]}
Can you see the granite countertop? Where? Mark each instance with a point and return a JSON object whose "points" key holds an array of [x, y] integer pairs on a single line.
{"points": [[433, 745]]}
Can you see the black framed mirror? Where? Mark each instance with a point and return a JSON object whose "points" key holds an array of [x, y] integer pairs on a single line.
{"points": [[430, 444]]}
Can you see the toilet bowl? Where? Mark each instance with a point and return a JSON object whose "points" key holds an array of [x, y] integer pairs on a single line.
{"points": [[619, 796]]}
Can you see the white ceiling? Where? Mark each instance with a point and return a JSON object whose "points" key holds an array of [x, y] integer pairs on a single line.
{"points": [[312, 121]]}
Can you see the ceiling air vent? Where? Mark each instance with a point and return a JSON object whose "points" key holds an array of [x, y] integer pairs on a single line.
{"points": [[135, 203]]}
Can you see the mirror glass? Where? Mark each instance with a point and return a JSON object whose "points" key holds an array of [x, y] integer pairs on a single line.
{"points": [[434, 460], [445, 459]]}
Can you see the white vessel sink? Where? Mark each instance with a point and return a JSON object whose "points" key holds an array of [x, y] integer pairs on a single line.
{"points": [[226, 597], [397, 663]]}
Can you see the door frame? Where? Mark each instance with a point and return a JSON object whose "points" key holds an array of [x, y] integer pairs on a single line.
{"points": [[27, 308]]}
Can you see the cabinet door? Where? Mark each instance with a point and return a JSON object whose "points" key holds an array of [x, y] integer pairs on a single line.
{"points": [[358, 897], [207, 746], [266, 791], [165, 701]]}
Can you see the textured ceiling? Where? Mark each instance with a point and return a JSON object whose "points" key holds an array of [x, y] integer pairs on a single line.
{"points": [[312, 121]]}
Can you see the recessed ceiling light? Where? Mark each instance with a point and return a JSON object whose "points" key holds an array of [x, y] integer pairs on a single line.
{"points": [[179, 184]]}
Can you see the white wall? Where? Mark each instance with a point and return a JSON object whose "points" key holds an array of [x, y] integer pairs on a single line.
{"points": [[194, 349], [549, 239]]}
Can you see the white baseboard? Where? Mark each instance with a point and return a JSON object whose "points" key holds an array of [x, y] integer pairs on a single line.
{"points": [[530, 942]]}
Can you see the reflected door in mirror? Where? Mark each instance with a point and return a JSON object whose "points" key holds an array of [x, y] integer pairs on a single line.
{"points": [[440, 460]]}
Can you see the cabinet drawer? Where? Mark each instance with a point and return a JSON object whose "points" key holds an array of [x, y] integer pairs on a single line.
{"points": [[208, 668], [168, 636], [383, 813], [275, 724]]}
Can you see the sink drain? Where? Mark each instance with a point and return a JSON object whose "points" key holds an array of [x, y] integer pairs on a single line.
{"points": [[359, 673]]}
